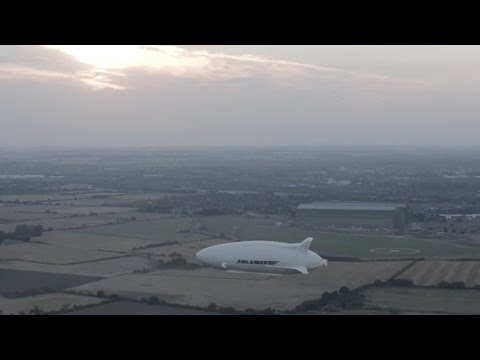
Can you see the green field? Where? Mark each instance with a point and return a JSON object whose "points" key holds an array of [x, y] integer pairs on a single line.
{"points": [[342, 219], [134, 308], [431, 300], [336, 244], [13, 281], [158, 230]]}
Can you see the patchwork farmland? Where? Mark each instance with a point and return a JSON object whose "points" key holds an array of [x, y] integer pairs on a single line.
{"points": [[242, 291], [432, 273]]}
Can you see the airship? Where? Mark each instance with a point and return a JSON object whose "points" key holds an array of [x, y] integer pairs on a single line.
{"points": [[264, 257]]}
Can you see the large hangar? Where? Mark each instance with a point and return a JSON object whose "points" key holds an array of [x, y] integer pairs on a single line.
{"points": [[339, 214]]}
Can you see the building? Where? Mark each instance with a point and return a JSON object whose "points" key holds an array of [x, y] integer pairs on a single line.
{"points": [[348, 215], [455, 217]]}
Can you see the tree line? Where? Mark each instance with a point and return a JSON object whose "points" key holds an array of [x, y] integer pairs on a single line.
{"points": [[22, 232]]}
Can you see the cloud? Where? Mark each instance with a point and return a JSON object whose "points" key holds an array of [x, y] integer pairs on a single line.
{"points": [[14, 71], [115, 67]]}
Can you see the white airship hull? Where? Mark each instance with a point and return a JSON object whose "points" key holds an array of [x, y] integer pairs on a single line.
{"points": [[264, 257]]}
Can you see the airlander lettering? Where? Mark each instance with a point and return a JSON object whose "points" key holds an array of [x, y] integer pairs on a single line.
{"points": [[250, 256], [257, 262]]}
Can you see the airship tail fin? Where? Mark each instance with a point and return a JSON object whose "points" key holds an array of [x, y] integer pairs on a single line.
{"points": [[302, 269], [305, 244]]}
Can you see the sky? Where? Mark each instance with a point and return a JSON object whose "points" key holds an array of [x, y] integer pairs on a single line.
{"points": [[238, 95]]}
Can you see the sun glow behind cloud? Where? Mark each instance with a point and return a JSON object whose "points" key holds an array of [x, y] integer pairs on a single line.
{"points": [[104, 57], [110, 67]]}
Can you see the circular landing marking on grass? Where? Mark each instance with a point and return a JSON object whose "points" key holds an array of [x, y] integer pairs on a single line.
{"points": [[396, 251]]}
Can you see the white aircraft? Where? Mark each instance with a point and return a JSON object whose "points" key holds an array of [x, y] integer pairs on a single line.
{"points": [[265, 257]]}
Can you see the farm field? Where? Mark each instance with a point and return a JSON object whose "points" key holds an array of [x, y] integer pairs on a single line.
{"points": [[134, 308], [17, 213], [110, 201], [103, 268], [337, 244], [50, 254], [18, 281], [77, 187], [84, 241], [243, 291], [158, 230], [431, 273], [142, 197], [45, 302], [417, 300], [50, 197], [354, 312], [187, 250], [39, 212], [66, 223], [86, 210], [146, 216]]}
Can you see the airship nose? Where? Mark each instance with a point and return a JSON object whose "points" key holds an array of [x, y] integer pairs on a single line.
{"points": [[202, 256]]}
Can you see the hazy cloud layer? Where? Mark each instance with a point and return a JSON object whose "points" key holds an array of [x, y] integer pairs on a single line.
{"points": [[245, 95], [111, 67]]}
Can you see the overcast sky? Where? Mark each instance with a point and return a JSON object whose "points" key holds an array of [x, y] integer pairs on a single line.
{"points": [[72, 95]]}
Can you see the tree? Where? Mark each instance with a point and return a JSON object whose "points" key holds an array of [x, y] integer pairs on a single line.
{"points": [[36, 311], [443, 284], [212, 306], [178, 262], [269, 311], [228, 310], [23, 232], [153, 300], [458, 285], [344, 290], [101, 293]]}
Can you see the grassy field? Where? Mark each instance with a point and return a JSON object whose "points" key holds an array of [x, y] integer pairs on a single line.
{"points": [[19, 213], [242, 291], [187, 250], [142, 197], [157, 230], [25, 213], [85, 241], [49, 197], [66, 223], [134, 308], [103, 268], [18, 281], [46, 302], [76, 210], [50, 254], [92, 202], [340, 219], [424, 300], [336, 244], [430, 273]]}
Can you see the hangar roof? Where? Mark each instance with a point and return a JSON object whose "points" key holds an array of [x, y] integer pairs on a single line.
{"points": [[340, 205]]}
